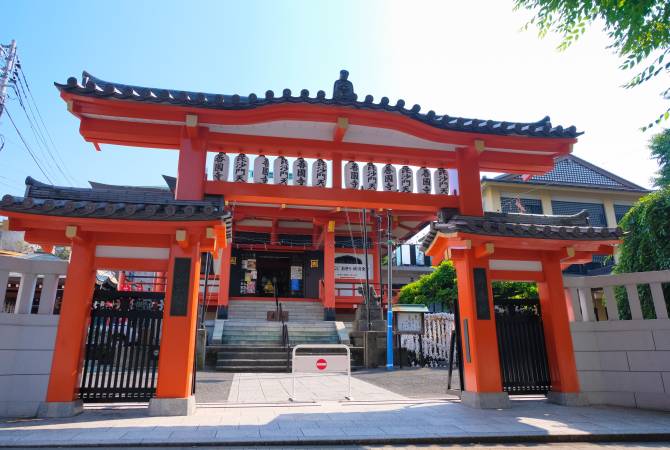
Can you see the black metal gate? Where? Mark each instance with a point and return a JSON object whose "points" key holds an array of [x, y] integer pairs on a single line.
{"points": [[523, 354], [122, 346]]}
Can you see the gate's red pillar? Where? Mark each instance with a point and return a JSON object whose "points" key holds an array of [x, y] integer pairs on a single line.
{"points": [[481, 363], [469, 183], [177, 346], [558, 339], [191, 166], [72, 326], [224, 283], [329, 271]]}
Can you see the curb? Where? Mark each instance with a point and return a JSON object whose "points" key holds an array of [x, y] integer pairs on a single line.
{"points": [[445, 440]]}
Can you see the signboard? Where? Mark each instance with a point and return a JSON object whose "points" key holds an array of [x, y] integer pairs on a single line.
{"points": [[181, 277], [409, 323], [321, 363], [482, 294], [314, 263], [350, 266]]}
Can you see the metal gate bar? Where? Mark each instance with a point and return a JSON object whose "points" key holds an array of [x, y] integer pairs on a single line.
{"points": [[523, 355], [122, 347]]}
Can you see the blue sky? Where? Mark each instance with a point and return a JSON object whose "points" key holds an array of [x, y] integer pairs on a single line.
{"points": [[458, 58]]}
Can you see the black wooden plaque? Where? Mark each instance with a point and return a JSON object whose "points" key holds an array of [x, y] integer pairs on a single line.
{"points": [[181, 280], [482, 294], [466, 333]]}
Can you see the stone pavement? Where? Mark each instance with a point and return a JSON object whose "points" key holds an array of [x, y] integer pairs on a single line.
{"points": [[278, 387], [334, 422]]}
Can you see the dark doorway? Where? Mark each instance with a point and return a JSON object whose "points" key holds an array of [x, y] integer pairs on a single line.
{"points": [[523, 355]]}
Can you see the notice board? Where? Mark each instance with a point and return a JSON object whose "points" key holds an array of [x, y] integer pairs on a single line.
{"points": [[181, 276]]}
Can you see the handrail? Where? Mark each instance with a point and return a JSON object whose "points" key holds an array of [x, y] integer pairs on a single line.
{"points": [[285, 342]]}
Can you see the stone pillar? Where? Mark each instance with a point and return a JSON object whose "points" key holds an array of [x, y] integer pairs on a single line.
{"points": [[4, 279], [481, 361], [26, 294], [177, 347], [329, 271], [48, 295], [68, 351], [558, 340], [223, 296]]}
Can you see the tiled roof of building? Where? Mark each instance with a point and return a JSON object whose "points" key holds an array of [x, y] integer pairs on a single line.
{"points": [[343, 95], [570, 170], [113, 202], [574, 227]]}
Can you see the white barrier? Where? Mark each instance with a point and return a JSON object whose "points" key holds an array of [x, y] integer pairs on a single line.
{"points": [[323, 363]]}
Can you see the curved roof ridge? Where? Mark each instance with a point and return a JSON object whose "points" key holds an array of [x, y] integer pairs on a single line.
{"points": [[343, 95]]}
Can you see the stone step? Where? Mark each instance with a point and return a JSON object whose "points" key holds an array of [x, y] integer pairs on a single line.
{"points": [[251, 369], [235, 355], [251, 362]]}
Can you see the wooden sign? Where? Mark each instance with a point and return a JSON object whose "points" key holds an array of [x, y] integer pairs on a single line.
{"points": [[409, 323], [481, 294], [181, 281]]}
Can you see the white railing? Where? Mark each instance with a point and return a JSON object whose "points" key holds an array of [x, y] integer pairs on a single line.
{"points": [[583, 291]]}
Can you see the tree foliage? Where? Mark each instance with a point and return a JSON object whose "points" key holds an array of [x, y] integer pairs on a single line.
{"points": [[639, 31], [646, 245], [440, 287], [660, 151]]}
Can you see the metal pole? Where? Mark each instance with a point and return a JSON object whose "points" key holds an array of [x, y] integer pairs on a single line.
{"points": [[378, 221], [204, 299], [10, 63], [389, 295], [367, 273]]}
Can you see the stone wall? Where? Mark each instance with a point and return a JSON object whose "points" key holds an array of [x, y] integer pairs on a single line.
{"points": [[624, 363], [26, 349]]}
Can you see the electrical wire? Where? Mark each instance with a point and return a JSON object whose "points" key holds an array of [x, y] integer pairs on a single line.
{"points": [[25, 144], [66, 173]]}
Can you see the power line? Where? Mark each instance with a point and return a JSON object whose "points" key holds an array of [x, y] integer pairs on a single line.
{"points": [[25, 144], [65, 172]]}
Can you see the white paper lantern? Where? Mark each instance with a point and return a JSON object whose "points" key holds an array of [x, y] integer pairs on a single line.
{"points": [[423, 180], [370, 177], [352, 175], [281, 170], [406, 181], [389, 178], [300, 172], [241, 169], [220, 171], [319, 173], [441, 181], [261, 169]]}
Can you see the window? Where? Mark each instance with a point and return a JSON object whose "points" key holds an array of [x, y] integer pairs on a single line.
{"points": [[528, 205], [596, 211], [620, 211]]}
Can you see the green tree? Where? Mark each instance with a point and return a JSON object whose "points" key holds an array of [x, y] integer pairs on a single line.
{"points": [[440, 287], [645, 246], [660, 151], [639, 31]]}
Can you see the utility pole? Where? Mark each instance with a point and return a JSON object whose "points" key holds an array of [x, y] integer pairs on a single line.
{"points": [[7, 72]]}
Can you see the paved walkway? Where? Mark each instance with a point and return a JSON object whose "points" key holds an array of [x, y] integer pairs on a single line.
{"points": [[357, 422]]}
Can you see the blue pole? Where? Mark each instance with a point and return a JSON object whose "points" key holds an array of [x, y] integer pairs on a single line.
{"points": [[389, 296]]}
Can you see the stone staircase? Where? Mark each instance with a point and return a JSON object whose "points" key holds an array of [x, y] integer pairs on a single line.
{"points": [[298, 311], [249, 343]]}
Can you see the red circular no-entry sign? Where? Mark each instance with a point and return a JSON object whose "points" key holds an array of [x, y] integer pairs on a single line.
{"points": [[321, 364]]}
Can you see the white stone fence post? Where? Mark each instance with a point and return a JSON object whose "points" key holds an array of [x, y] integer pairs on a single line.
{"points": [[580, 293]]}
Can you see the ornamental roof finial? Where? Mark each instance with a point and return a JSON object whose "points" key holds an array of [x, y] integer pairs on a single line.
{"points": [[343, 89]]}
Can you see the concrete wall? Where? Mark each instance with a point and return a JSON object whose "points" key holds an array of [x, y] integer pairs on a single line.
{"points": [[624, 363], [26, 348]]}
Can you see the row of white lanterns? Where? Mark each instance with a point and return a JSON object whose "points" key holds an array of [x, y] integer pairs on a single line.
{"points": [[390, 180]]}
